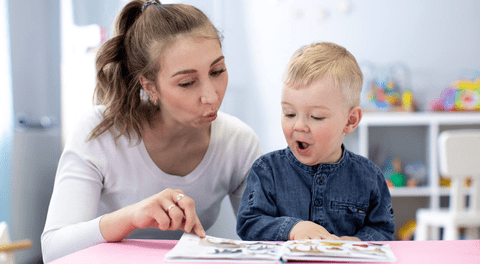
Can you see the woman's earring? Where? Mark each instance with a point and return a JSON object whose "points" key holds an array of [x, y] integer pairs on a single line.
{"points": [[153, 101]]}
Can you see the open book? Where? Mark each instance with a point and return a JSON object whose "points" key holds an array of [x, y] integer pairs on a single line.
{"points": [[192, 248]]}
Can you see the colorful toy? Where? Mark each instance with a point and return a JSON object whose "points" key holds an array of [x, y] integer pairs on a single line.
{"points": [[385, 94], [398, 180], [407, 231], [386, 88], [392, 169], [445, 182], [416, 174], [462, 95], [408, 102]]}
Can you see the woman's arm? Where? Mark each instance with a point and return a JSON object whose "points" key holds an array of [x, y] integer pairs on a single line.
{"points": [[72, 222]]}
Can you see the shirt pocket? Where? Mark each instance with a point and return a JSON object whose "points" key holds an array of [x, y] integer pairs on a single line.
{"points": [[348, 217], [348, 208]]}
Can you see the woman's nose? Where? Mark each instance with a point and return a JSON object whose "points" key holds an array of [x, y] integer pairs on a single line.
{"points": [[209, 94]]}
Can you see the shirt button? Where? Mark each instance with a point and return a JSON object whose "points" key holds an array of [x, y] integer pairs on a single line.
{"points": [[318, 202], [320, 181]]}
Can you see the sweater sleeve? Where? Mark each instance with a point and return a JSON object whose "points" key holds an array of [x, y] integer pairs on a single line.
{"points": [[247, 149], [253, 151], [72, 220]]}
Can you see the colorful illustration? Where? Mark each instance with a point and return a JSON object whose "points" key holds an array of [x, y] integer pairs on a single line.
{"points": [[334, 250]]}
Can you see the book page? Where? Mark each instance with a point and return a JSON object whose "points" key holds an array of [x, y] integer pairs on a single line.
{"points": [[209, 249], [191, 247], [337, 250]]}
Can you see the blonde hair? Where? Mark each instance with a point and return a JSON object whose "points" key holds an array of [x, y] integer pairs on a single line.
{"points": [[140, 39], [315, 61]]}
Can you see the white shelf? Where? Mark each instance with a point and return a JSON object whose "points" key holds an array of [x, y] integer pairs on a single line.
{"points": [[419, 118], [410, 191], [433, 123]]}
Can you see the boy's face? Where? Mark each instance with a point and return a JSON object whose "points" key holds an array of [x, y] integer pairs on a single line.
{"points": [[313, 121]]}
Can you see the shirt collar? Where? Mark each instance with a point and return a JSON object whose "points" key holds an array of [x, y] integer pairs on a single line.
{"points": [[319, 167]]}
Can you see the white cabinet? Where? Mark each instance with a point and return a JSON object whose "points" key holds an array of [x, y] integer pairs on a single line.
{"points": [[411, 137]]}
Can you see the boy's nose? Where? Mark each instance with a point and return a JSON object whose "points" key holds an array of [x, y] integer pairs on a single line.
{"points": [[301, 126]]}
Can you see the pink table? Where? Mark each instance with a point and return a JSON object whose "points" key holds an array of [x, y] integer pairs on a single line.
{"points": [[153, 251]]}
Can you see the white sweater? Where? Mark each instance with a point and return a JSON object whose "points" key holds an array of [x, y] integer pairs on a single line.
{"points": [[98, 177]]}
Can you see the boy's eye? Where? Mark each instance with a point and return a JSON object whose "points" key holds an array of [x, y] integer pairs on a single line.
{"points": [[217, 73], [290, 115], [318, 118]]}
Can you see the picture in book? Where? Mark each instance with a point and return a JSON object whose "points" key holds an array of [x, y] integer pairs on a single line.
{"points": [[336, 250]]}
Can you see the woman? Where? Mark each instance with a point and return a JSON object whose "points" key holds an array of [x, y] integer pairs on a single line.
{"points": [[155, 153]]}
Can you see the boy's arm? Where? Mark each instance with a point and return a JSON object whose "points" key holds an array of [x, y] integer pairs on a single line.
{"points": [[258, 217], [379, 224]]}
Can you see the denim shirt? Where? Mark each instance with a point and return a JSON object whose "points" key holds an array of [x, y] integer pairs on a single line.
{"points": [[348, 198]]}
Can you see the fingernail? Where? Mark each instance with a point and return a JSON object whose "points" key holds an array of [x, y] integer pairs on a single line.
{"points": [[203, 233]]}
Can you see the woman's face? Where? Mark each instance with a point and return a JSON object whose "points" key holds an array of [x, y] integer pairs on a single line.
{"points": [[192, 81]]}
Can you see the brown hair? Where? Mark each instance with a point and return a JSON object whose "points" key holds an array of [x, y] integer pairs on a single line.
{"points": [[140, 39], [317, 60]]}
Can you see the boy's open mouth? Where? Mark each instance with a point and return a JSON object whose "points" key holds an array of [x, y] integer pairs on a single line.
{"points": [[302, 145]]}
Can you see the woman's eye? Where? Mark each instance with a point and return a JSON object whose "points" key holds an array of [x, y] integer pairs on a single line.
{"points": [[186, 84], [217, 73]]}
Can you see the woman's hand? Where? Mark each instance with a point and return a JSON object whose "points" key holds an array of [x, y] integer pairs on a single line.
{"points": [[167, 210], [310, 230]]}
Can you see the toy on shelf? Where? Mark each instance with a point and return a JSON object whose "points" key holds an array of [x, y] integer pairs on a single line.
{"points": [[407, 231], [416, 174], [386, 89], [462, 95], [445, 182], [392, 169], [408, 102]]}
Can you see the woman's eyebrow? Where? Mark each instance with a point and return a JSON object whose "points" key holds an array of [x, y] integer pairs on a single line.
{"points": [[192, 70], [217, 60]]}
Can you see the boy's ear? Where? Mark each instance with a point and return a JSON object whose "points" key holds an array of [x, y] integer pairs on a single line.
{"points": [[354, 116]]}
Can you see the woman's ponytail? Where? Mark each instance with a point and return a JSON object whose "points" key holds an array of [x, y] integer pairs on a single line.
{"points": [[114, 79]]}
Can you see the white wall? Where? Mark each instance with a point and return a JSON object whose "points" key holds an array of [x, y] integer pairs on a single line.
{"points": [[435, 39]]}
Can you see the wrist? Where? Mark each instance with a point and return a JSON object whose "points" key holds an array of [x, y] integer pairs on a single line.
{"points": [[291, 235], [115, 226]]}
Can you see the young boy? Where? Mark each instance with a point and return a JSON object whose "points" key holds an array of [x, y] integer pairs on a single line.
{"points": [[316, 188]]}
